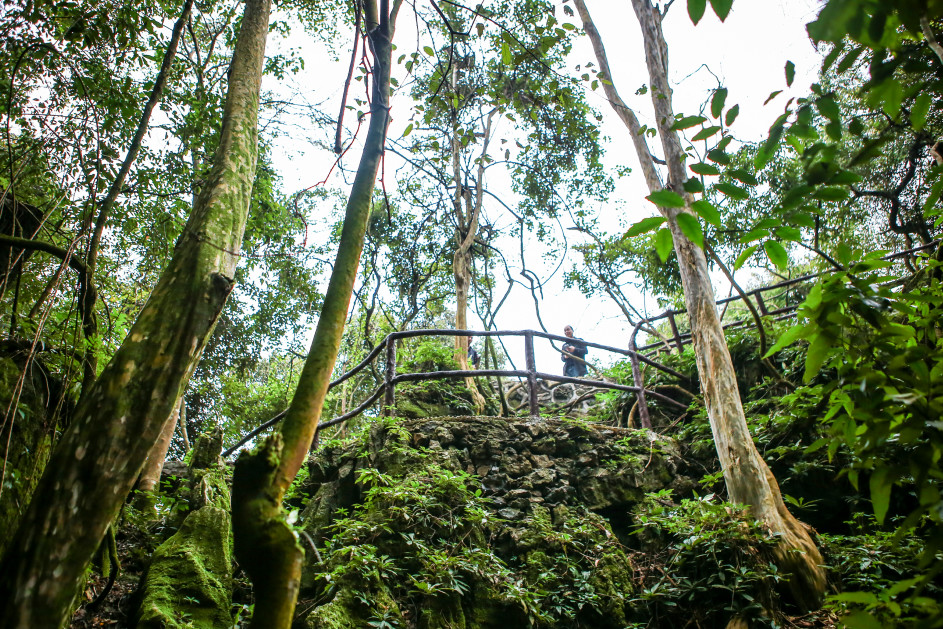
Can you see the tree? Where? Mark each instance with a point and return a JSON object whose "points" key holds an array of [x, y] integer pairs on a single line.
{"points": [[747, 476], [120, 417], [265, 544]]}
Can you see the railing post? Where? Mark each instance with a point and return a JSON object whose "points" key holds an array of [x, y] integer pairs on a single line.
{"points": [[531, 373], [388, 395], [761, 303], [674, 330], [644, 418]]}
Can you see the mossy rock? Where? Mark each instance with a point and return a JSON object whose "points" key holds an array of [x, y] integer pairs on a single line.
{"points": [[27, 436], [189, 582]]}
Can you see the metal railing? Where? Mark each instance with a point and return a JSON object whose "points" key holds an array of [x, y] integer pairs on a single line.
{"points": [[390, 378], [636, 355]]}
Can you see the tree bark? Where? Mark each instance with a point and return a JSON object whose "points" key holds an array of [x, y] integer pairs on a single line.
{"points": [[265, 545], [145, 499], [119, 419], [748, 478]]}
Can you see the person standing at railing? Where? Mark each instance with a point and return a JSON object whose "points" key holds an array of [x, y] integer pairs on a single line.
{"points": [[573, 354]]}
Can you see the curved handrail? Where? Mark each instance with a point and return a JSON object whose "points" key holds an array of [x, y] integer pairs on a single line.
{"points": [[530, 374]]}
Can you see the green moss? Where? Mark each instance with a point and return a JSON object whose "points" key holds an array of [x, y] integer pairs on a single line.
{"points": [[189, 582], [28, 448]]}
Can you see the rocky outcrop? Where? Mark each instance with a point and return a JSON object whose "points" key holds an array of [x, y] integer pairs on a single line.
{"points": [[189, 581], [479, 522]]}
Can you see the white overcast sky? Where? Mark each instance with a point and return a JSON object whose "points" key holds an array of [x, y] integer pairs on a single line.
{"points": [[747, 54]]}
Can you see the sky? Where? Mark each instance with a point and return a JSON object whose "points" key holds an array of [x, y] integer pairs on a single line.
{"points": [[746, 54]]}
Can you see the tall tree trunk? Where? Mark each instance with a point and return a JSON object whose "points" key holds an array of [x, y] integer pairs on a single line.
{"points": [[265, 544], [119, 419], [748, 478]]}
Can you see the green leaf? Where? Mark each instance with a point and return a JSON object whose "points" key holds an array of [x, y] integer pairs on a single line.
{"points": [[691, 227], [776, 253], [696, 9], [918, 113], [802, 219], [743, 257], [707, 211], [819, 347], [754, 234], [732, 191], [664, 243], [704, 169], [722, 8], [731, 115], [788, 337], [408, 129], [687, 122], [506, 58], [768, 148], [831, 193], [717, 102], [771, 96], [705, 133], [880, 484], [717, 155], [786, 232], [666, 198], [428, 50], [790, 72], [828, 108], [743, 175], [644, 225], [693, 185]]}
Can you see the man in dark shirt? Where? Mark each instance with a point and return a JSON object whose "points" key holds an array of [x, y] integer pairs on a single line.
{"points": [[572, 354]]}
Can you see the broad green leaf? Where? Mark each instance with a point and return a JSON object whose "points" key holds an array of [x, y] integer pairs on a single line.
{"points": [[768, 148], [918, 113], [786, 232], [718, 156], [408, 129], [645, 225], [788, 337], [428, 50], [831, 193], [776, 253], [934, 195], [743, 175], [880, 484], [771, 96], [664, 243], [802, 219], [754, 234], [732, 191], [849, 59], [717, 102], [722, 8], [705, 133], [731, 115], [743, 257], [691, 227], [687, 122], [819, 347], [696, 9], [704, 169], [506, 58], [828, 108], [693, 185], [790, 73], [707, 211], [666, 198]]}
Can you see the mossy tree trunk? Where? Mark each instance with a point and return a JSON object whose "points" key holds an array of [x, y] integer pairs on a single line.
{"points": [[748, 478], [120, 418], [265, 545], [146, 494]]}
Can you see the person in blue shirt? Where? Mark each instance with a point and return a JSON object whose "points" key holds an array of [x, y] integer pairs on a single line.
{"points": [[573, 353]]}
